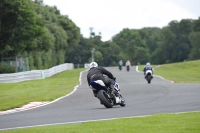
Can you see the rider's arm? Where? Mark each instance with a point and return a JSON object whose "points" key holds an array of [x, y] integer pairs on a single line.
{"points": [[88, 80], [109, 74]]}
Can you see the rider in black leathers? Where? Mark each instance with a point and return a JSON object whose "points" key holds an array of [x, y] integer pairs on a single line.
{"points": [[148, 67], [97, 73]]}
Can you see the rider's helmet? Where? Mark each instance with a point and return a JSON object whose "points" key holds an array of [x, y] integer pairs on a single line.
{"points": [[148, 64], [93, 64]]}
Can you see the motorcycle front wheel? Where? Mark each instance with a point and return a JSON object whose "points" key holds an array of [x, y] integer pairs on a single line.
{"points": [[123, 103], [105, 99]]}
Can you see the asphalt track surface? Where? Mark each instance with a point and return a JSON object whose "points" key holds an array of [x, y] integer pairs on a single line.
{"points": [[161, 96]]}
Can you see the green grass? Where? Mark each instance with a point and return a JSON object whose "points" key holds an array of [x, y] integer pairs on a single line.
{"points": [[184, 72], [161, 123], [14, 95]]}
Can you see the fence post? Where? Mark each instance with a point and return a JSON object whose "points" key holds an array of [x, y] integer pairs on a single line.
{"points": [[42, 75]]}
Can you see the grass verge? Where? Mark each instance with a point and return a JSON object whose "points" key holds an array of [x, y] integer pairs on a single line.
{"points": [[184, 72], [14, 95], [161, 123]]}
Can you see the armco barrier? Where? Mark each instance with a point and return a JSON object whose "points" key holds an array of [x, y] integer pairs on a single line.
{"points": [[34, 74]]}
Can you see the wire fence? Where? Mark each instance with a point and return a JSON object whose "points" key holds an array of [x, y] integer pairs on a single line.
{"points": [[20, 63]]}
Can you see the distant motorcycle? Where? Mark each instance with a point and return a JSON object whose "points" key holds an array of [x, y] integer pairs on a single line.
{"points": [[149, 75], [127, 68], [120, 68], [104, 94]]}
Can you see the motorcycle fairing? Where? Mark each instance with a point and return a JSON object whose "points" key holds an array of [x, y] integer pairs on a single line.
{"points": [[116, 86], [97, 85], [148, 71]]}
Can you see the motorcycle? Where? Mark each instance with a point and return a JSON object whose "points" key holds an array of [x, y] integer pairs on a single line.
{"points": [[148, 76], [127, 68], [104, 94], [120, 68]]}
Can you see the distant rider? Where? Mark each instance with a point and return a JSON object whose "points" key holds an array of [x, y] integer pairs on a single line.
{"points": [[96, 73], [128, 64], [120, 64], [148, 67]]}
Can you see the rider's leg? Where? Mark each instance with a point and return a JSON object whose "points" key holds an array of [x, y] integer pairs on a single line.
{"points": [[93, 78], [110, 82]]}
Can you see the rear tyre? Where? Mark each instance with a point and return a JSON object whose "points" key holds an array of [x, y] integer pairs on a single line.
{"points": [[105, 99], [149, 79], [127, 68]]}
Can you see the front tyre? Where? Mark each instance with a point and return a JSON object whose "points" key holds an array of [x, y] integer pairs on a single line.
{"points": [[123, 102], [105, 99]]}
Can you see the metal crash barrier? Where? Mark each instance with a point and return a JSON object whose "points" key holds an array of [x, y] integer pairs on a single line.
{"points": [[34, 74]]}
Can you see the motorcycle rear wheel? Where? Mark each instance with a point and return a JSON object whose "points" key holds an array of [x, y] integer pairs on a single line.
{"points": [[149, 79], [105, 99]]}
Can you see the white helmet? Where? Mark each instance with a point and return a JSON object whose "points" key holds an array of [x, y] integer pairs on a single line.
{"points": [[148, 64], [93, 64]]}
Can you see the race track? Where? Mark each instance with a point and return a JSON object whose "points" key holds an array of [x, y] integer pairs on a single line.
{"points": [[161, 96]]}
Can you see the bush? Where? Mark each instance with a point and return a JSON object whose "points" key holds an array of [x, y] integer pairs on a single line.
{"points": [[6, 68]]}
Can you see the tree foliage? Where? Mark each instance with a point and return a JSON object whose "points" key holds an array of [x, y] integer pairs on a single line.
{"points": [[30, 28]]}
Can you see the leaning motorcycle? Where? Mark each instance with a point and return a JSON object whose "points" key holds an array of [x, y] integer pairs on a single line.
{"points": [[149, 75], [104, 94]]}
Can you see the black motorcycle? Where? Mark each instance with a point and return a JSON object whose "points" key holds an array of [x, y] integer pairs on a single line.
{"points": [[104, 94], [148, 76], [120, 68], [127, 68]]}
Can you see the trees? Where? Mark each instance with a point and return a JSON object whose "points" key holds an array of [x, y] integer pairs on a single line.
{"points": [[195, 41], [40, 32], [19, 25], [80, 53], [194, 38], [184, 28], [174, 44], [30, 28], [110, 52], [130, 41]]}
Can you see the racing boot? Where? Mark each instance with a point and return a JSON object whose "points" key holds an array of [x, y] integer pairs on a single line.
{"points": [[113, 91]]}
